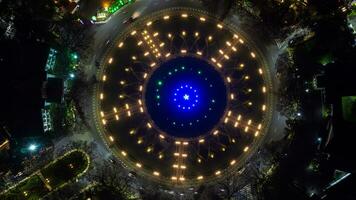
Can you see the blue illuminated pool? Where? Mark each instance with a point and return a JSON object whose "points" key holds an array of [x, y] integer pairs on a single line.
{"points": [[186, 97]]}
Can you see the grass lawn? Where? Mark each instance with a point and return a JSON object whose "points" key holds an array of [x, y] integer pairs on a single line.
{"points": [[33, 186], [57, 172], [349, 108], [65, 169]]}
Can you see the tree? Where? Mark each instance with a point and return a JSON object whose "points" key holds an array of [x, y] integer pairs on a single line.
{"points": [[229, 186], [31, 18], [88, 147], [73, 35], [289, 90], [112, 181], [152, 193]]}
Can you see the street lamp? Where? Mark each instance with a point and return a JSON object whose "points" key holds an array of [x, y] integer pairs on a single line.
{"points": [[32, 147], [74, 56]]}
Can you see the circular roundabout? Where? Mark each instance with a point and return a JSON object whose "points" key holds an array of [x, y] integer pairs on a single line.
{"points": [[183, 98]]}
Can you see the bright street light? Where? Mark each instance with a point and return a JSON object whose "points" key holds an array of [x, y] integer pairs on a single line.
{"points": [[32, 147]]}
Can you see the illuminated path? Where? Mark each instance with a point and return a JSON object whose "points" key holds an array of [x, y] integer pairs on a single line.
{"points": [[183, 98]]}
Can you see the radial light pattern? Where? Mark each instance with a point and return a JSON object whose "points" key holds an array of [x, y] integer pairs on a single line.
{"points": [[182, 98], [185, 97]]}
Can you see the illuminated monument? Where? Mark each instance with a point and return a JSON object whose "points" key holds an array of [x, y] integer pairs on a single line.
{"points": [[183, 98]]}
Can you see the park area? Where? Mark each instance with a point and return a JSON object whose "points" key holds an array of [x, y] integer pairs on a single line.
{"points": [[53, 176]]}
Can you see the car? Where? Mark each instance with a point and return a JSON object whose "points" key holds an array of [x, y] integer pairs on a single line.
{"points": [[132, 174], [129, 20], [112, 160], [133, 18], [85, 22]]}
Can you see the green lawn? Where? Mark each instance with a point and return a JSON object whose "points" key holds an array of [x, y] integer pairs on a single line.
{"points": [[65, 169], [33, 186], [57, 172], [349, 108]]}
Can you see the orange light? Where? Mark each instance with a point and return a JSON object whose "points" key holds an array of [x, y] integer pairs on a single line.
{"points": [[106, 5]]}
